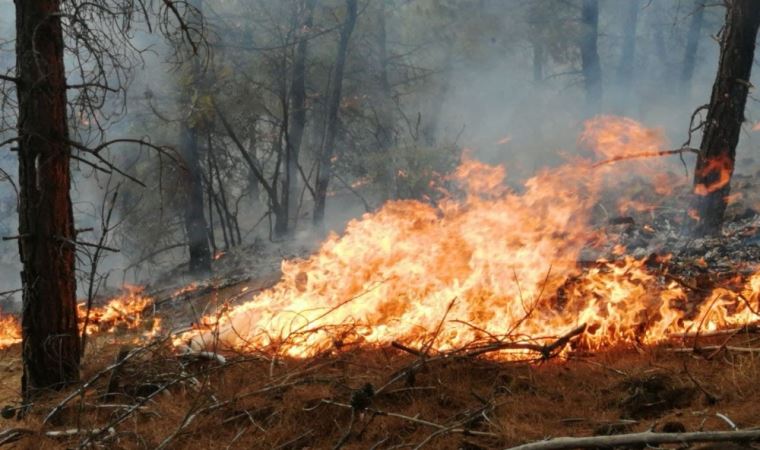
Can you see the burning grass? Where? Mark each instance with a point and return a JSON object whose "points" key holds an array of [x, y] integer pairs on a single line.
{"points": [[484, 263]]}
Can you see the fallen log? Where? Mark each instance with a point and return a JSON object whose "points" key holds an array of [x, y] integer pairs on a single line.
{"points": [[643, 438]]}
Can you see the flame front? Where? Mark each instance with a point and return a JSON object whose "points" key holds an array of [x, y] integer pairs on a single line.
{"points": [[124, 312], [486, 262]]}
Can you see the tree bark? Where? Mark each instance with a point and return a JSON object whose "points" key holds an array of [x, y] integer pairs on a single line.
{"points": [[195, 222], [715, 162], [298, 99], [692, 44], [385, 122], [592, 70], [325, 160], [50, 347]]}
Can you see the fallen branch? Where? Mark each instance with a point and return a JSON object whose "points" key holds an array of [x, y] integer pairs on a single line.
{"points": [[546, 351], [58, 408], [678, 151], [13, 434], [418, 421], [714, 348], [752, 328], [643, 438]]}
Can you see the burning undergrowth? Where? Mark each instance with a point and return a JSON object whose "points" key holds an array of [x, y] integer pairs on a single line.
{"points": [[488, 265], [120, 313], [592, 250]]}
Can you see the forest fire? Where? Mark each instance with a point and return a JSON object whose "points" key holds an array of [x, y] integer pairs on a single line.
{"points": [[484, 264], [124, 312]]}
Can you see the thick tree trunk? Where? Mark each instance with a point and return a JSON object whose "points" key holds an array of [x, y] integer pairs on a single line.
{"points": [[715, 162], [325, 160], [51, 348], [592, 70], [196, 228], [692, 43]]}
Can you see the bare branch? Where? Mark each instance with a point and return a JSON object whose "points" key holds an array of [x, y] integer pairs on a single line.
{"points": [[644, 438]]}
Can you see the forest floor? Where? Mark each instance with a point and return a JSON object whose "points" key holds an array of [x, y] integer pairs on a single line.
{"points": [[348, 399]]}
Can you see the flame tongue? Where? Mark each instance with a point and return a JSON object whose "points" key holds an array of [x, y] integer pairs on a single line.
{"points": [[485, 266]]}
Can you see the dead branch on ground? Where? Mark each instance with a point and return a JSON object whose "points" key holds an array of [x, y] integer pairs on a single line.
{"points": [[643, 438]]}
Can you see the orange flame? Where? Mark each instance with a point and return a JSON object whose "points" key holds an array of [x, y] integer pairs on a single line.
{"points": [[719, 170], [10, 331], [124, 312], [496, 263]]}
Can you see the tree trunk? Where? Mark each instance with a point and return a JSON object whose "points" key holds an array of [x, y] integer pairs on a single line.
{"points": [[715, 162], [385, 123], [298, 100], [325, 160], [50, 348], [692, 43], [592, 70], [195, 222]]}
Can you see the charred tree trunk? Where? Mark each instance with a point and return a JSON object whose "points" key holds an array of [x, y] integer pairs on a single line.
{"points": [[325, 160], [297, 123], [384, 131], [715, 162], [592, 70], [195, 222], [280, 208], [51, 347], [692, 44], [210, 196]]}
